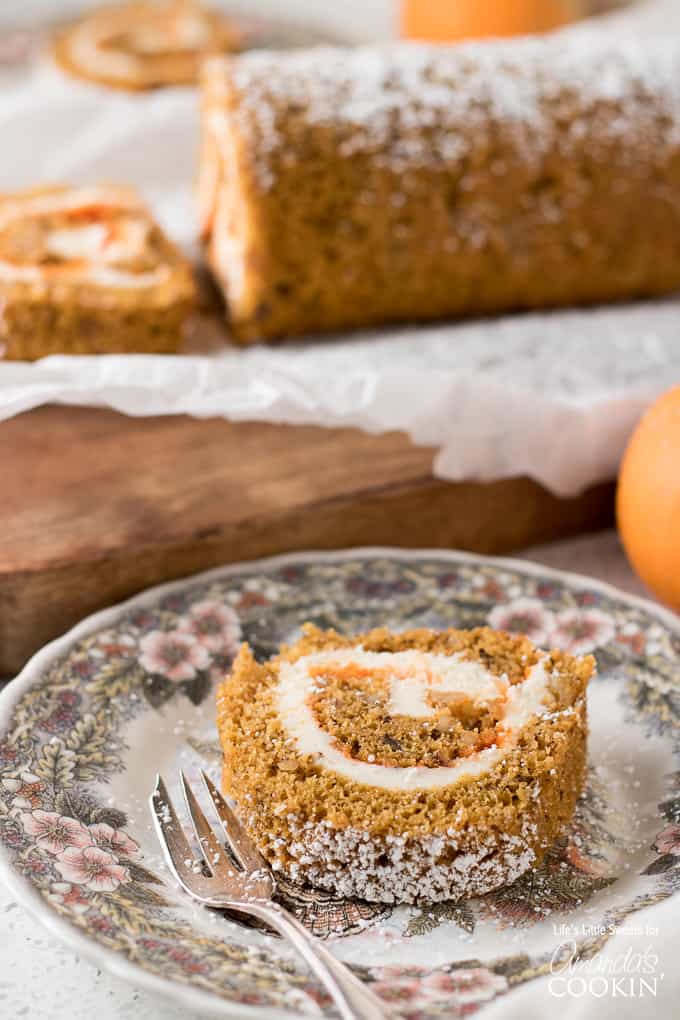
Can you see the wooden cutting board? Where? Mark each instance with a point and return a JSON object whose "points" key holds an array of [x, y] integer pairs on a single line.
{"points": [[96, 506]]}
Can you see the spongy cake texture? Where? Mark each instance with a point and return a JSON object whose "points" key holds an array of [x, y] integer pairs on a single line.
{"points": [[351, 188], [317, 823]]}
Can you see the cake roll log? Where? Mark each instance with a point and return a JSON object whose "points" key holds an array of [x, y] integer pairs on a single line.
{"points": [[349, 188]]}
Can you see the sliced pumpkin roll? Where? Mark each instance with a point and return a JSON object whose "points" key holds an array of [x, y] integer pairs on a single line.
{"points": [[397, 768]]}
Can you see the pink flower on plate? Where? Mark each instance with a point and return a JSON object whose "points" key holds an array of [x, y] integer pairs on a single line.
{"points": [[175, 655], [54, 832], [34, 866], [633, 639], [249, 599], [580, 860], [27, 790], [109, 644], [460, 989], [468, 986], [396, 985], [668, 841], [581, 630], [70, 896], [103, 926], [114, 840], [187, 960], [214, 625], [524, 616], [8, 754], [92, 867]]}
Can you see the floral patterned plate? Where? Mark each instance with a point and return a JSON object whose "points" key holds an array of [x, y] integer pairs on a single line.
{"points": [[130, 691]]}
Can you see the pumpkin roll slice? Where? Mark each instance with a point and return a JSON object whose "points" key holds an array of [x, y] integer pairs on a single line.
{"points": [[353, 188], [88, 271], [399, 768], [144, 45]]}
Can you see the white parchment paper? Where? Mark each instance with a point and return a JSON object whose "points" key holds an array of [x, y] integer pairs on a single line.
{"points": [[552, 396]]}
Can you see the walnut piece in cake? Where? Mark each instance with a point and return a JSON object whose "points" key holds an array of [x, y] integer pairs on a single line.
{"points": [[144, 45], [88, 271], [419, 766]]}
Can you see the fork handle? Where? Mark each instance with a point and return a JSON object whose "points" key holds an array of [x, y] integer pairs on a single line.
{"points": [[353, 999]]}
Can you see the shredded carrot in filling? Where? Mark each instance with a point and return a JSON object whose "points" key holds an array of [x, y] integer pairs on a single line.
{"points": [[122, 238]]}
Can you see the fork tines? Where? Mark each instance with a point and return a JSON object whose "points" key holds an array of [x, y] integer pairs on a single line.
{"points": [[242, 846], [217, 873]]}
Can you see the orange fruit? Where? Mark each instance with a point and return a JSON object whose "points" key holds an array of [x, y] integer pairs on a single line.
{"points": [[648, 499], [451, 20]]}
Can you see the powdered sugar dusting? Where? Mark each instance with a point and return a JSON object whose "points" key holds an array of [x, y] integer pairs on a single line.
{"points": [[413, 105], [405, 869]]}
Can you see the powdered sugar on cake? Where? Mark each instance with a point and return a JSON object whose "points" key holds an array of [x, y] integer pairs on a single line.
{"points": [[412, 676], [430, 869], [418, 105]]}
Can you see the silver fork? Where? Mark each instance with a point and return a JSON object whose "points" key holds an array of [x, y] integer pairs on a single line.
{"points": [[248, 889]]}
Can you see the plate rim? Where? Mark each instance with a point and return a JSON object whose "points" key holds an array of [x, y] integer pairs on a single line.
{"points": [[113, 962]]}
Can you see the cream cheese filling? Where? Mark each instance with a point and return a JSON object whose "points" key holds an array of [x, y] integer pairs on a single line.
{"points": [[229, 250], [98, 242], [67, 201], [104, 276], [229, 246], [411, 676], [89, 243]]}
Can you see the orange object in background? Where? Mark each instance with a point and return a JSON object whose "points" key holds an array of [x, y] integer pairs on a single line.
{"points": [[648, 499], [451, 20]]}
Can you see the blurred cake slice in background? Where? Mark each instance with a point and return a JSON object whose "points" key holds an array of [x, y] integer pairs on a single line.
{"points": [[144, 45], [88, 271]]}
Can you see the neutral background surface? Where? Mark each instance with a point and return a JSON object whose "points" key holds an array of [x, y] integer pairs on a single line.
{"points": [[43, 980], [354, 18]]}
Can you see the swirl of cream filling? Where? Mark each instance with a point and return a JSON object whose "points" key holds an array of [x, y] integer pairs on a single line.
{"points": [[411, 675], [94, 251]]}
